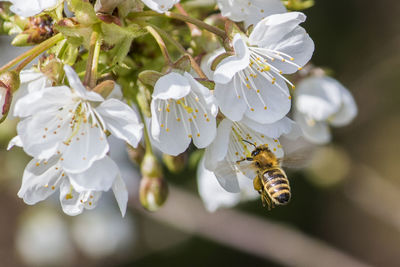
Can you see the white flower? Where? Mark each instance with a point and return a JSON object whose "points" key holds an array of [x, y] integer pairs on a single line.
{"points": [[32, 7], [321, 101], [78, 191], [182, 109], [228, 147], [31, 80], [250, 11], [160, 6], [250, 83], [215, 197], [71, 122]]}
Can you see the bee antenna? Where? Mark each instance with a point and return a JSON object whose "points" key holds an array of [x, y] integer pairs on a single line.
{"points": [[249, 143]]}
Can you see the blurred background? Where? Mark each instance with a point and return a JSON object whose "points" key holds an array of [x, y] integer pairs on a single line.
{"points": [[345, 209]]}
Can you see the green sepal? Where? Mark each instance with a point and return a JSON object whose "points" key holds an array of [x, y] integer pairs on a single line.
{"points": [[206, 83], [149, 77], [183, 63]]}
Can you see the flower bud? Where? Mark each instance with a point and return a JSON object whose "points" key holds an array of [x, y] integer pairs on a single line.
{"points": [[153, 187], [9, 82], [52, 67], [153, 192], [136, 155], [175, 164]]}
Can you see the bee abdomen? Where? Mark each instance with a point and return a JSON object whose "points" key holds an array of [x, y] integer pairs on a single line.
{"points": [[277, 186]]}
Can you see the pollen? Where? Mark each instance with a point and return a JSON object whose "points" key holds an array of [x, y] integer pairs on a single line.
{"points": [[300, 68], [53, 187], [258, 90], [290, 97], [190, 119], [37, 164], [46, 186], [196, 110], [90, 203], [178, 119], [252, 109], [265, 108], [198, 135], [207, 119], [190, 136], [266, 68], [293, 87], [262, 136], [44, 136], [46, 129], [262, 10], [162, 125], [274, 149], [84, 158], [167, 130]]}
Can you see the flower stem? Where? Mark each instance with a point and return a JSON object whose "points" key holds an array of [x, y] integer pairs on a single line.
{"points": [[194, 30], [181, 49], [161, 44], [149, 150], [32, 53], [93, 59], [197, 22]]}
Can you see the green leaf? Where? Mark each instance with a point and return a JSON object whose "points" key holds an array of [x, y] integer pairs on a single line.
{"points": [[84, 12], [121, 38]]}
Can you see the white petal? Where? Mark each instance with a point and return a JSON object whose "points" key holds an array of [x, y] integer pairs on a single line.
{"points": [[230, 100], [318, 97], [251, 11], [121, 121], [314, 131], [217, 150], [171, 86], [272, 29], [212, 194], [73, 203], [99, 177], [32, 7], [78, 87], [41, 134], [44, 100], [40, 180], [160, 6], [16, 141], [70, 199], [174, 137], [272, 102], [121, 194], [231, 65], [88, 145], [273, 130], [207, 61], [347, 112]]}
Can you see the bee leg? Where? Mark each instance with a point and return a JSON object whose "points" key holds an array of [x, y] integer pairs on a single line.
{"points": [[248, 159], [266, 201]]}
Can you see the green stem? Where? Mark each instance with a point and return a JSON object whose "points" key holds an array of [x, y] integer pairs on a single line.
{"points": [[149, 150], [181, 49], [32, 53], [92, 61], [181, 17], [160, 43]]}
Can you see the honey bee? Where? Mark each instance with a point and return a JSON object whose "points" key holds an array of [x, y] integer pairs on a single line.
{"points": [[271, 180]]}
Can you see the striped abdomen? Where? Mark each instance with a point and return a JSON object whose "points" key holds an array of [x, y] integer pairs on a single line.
{"points": [[276, 184]]}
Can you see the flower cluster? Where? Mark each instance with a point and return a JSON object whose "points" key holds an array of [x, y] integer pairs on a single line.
{"points": [[229, 91]]}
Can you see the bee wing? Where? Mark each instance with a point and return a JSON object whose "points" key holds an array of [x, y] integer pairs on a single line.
{"points": [[247, 168], [299, 158]]}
